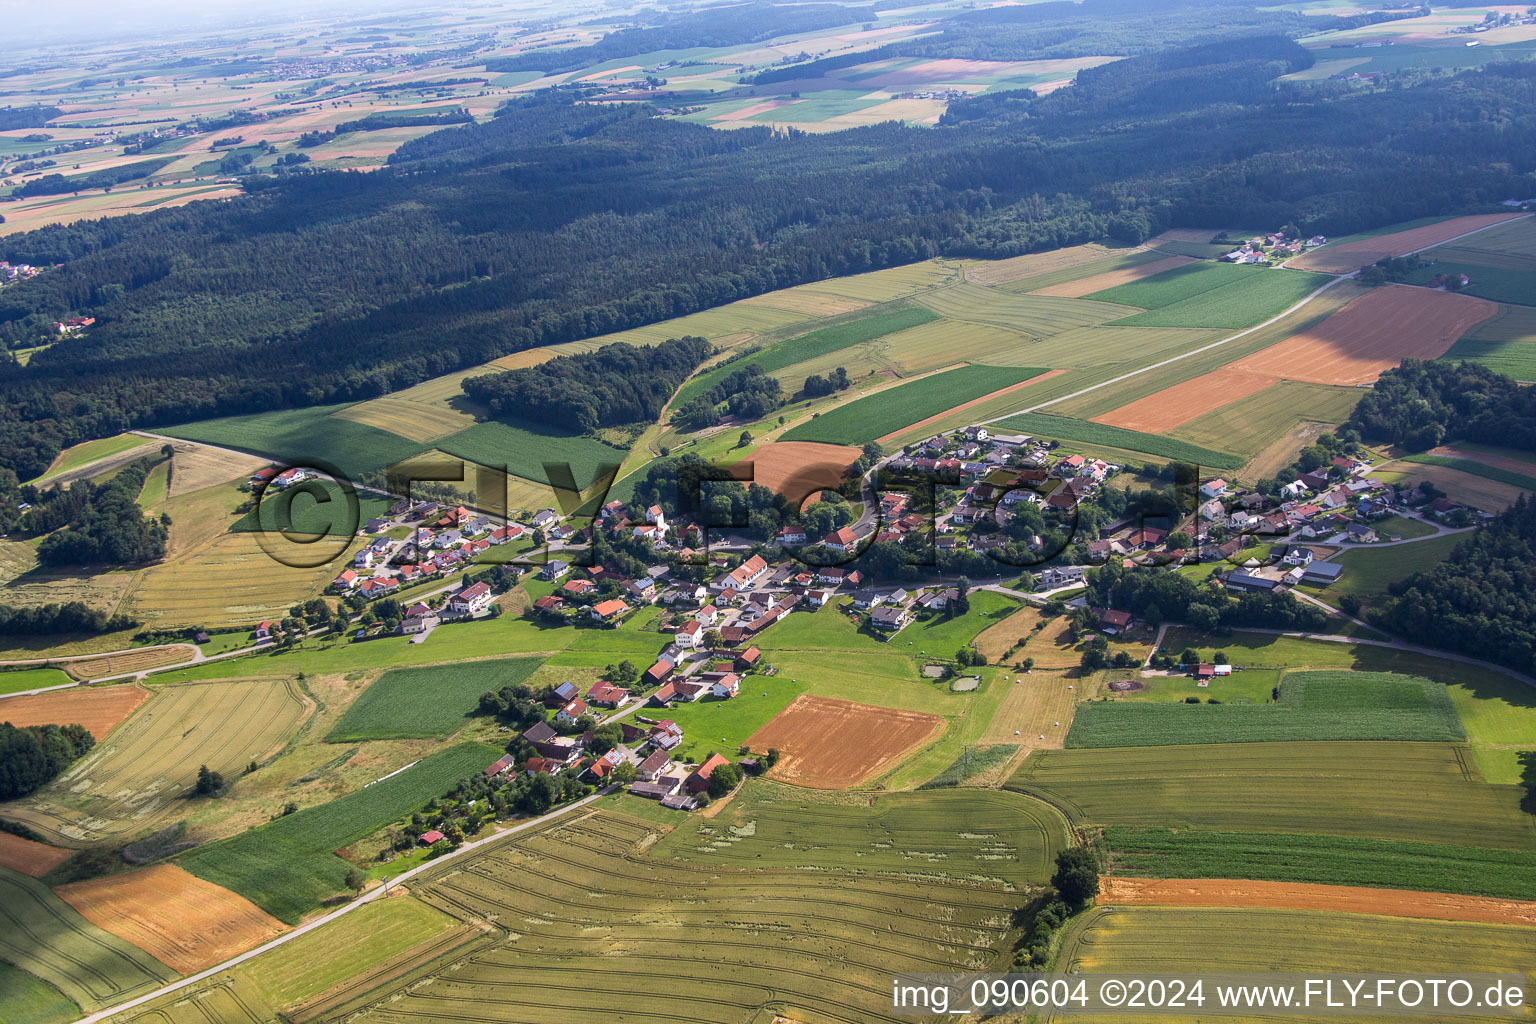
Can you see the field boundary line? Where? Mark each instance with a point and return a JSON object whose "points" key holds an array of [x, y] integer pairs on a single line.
{"points": [[360, 901]]}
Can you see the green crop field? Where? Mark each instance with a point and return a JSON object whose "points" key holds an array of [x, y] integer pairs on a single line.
{"points": [[1312, 706], [1127, 940], [866, 419], [1323, 860], [1482, 469], [598, 919], [1499, 284], [809, 346], [298, 435], [1245, 302], [31, 1000], [85, 453], [524, 450], [1176, 285], [1036, 316], [429, 703], [44, 936], [1067, 429], [1514, 238], [1416, 791], [151, 760], [968, 834], [288, 867], [1251, 424], [970, 764], [1505, 342], [32, 679]]}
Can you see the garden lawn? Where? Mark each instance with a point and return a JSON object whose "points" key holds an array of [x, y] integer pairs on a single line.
{"points": [[428, 703]]}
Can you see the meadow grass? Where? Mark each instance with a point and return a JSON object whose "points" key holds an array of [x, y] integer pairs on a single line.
{"points": [[877, 415], [430, 703]]}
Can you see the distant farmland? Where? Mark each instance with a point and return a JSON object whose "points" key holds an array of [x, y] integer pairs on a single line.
{"points": [[877, 415], [1242, 303]]}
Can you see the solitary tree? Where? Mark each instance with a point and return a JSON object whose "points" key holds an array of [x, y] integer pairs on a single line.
{"points": [[1077, 876], [209, 783]]}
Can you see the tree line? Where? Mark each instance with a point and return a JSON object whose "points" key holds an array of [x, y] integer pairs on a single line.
{"points": [[93, 523], [1421, 404], [32, 756]]}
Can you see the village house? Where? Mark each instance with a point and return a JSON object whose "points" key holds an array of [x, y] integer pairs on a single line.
{"points": [[841, 540], [698, 781], [472, 600], [554, 570], [573, 710], [890, 619], [743, 576], [606, 695], [650, 769], [689, 633], [608, 611]]}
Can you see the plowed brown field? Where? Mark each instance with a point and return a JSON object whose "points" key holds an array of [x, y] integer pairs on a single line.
{"points": [[99, 709], [1168, 408], [834, 744], [1098, 282], [176, 917], [1227, 892], [796, 468], [1373, 333], [1341, 259], [28, 857]]}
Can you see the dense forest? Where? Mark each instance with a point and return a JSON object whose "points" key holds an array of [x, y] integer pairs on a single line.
{"points": [[91, 523], [60, 619], [1481, 600], [560, 220], [747, 394], [617, 384], [33, 756], [1420, 404]]}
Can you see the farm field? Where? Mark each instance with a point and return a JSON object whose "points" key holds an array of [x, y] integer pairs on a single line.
{"points": [[834, 744], [1171, 407], [128, 661], [1193, 242], [1068, 429], [137, 773], [712, 724], [292, 436], [1126, 273], [1371, 334], [99, 708], [1244, 302], [1346, 257], [1494, 283], [1498, 474], [1505, 343], [1035, 316], [32, 679], [45, 937], [181, 920], [1415, 791], [878, 415], [1312, 706], [85, 453], [970, 834], [431, 702], [1214, 892], [524, 450], [1260, 419], [29, 857], [1036, 712], [1322, 860], [195, 467], [796, 468], [973, 766], [1511, 245], [31, 1000], [1043, 269], [1133, 939], [1471, 489], [287, 867], [588, 892], [1182, 281]]}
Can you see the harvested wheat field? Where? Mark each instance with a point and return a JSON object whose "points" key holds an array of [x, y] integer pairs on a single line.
{"points": [[1110, 278], [195, 466], [797, 468], [1373, 333], [28, 857], [99, 709], [1050, 645], [947, 413], [1227, 892], [128, 661], [1040, 704], [1341, 259], [1018, 267], [835, 744], [796, 300], [179, 919], [1163, 410]]}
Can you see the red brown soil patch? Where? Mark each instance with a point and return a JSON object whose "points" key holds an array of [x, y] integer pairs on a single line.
{"points": [[835, 744], [179, 919], [1227, 892], [796, 468], [1166, 409], [1110, 278], [28, 857], [1373, 333], [1341, 259], [919, 425], [99, 709]]}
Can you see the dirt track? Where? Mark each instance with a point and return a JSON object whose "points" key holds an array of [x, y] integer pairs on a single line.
{"points": [[835, 744], [1341, 259], [1373, 333], [1226, 892], [1170, 407]]}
